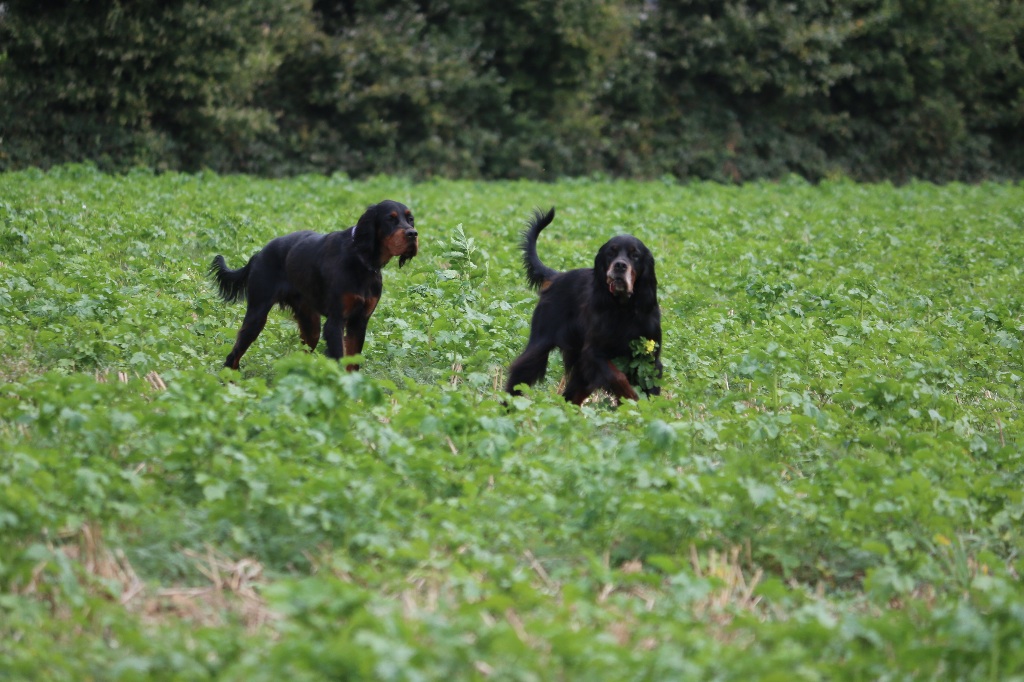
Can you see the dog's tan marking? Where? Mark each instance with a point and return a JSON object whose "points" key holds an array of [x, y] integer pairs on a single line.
{"points": [[397, 244], [349, 344], [351, 304], [620, 384]]}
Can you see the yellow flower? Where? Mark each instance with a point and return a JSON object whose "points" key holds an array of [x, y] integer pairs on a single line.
{"points": [[650, 346]]}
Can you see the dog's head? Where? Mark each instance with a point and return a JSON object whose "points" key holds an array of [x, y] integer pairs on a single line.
{"points": [[624, 268], [387, 230]]}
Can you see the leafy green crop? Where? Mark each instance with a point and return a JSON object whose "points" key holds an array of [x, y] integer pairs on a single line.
{"points": [[829, 486]]}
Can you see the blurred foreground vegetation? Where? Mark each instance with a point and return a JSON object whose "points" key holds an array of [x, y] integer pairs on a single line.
{"points": [[828, 488]]}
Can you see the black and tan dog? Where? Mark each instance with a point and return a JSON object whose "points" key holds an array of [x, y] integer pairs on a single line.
{"points": [[334, 275], [591, 315]]}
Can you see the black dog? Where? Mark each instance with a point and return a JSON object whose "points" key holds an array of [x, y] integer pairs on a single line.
{"points": [[591, 315], [335, 275]]}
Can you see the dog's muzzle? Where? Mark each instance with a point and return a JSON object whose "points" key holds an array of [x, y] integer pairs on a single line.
{"points": [[620, 277], [412, 246]]}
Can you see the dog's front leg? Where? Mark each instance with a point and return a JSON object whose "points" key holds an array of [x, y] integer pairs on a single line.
{"points": [[334, 329], [594, 373], [345, 329], [617, 383], [355, 334]]}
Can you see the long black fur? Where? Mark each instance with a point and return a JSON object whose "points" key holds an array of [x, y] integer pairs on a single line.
{"points": [[335, 275], [536, 272], [231, 284], [589, 315]]}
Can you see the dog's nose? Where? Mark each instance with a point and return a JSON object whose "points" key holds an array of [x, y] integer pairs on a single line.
{"points": [[619, 266], [412, 234]]}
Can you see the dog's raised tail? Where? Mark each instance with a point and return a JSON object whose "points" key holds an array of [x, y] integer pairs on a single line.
{"points": [[231, 284], [538, 274]]}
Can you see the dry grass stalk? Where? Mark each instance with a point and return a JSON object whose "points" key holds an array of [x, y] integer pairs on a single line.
{"points": [[16, 367], [732, 591], [156, 382], [232, 588], [153, 379], [424, 595], [735, 590], [552, 587]]}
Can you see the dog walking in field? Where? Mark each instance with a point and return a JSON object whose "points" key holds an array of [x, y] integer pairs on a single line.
{"points": [[592, 315], [336, 275]]}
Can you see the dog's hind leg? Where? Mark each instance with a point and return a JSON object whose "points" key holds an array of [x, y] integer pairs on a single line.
{"points": [[576, 389], [309, 326], [529, 368], [253, 323]]}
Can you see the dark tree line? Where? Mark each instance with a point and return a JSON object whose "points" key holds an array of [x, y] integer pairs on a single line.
{"points": [[724, 89]]}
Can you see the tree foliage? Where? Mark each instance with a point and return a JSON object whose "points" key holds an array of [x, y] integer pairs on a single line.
{"points": [[874, 89]]}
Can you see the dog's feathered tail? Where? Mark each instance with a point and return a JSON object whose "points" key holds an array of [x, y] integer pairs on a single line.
{"points": [[231, 284], [537, 273]]}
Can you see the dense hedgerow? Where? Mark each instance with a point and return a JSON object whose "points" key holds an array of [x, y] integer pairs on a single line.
{"points": [[730, 91]]}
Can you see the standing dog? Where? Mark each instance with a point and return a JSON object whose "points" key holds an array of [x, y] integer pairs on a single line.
{"points": [[591, 316], [334, 275]]}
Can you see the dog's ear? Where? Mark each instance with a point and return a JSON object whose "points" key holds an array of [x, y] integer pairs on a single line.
{"points": [[365, 237], [645, 291], [601, 263]]}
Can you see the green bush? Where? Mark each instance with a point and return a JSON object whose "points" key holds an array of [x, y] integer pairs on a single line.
{"points": [[164, 85], [874, 89], [732, 91]]}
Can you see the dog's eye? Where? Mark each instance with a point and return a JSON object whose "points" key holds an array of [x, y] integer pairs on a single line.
{"points": [[634, 253]]}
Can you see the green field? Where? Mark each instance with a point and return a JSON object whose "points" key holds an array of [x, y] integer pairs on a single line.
{"points": [[830, 487]]}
